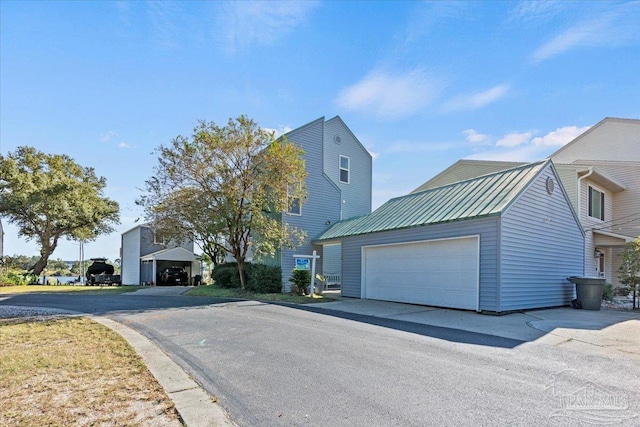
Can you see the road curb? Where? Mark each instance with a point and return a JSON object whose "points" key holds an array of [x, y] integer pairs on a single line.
{"points": [[195, 406]]}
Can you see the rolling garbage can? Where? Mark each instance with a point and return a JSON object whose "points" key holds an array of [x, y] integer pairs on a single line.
{"points": [[588, 291]]}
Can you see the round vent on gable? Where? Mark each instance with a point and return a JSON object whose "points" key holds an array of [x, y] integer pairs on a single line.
{"points": [[550, 185], [337, 139]]}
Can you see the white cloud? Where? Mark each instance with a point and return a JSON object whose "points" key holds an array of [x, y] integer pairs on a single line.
{"points": [[390, 95], [615, 27], [515, 139], [241, 24], [538, 11], [560, 136], [478, 100], [123, 145], [166, 20], [475, 137], [281, 130], [108, 136], [526, 147]]}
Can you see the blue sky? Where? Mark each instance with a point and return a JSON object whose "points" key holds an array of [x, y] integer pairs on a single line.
{"points": [[421, 84]]}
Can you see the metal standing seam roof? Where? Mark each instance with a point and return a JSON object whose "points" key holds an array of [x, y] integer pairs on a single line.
{"points": [[484, 196]]}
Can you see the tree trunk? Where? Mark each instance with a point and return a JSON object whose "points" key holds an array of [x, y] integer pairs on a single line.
{"points": [[45, 252], [41, 263], [241, 273]]}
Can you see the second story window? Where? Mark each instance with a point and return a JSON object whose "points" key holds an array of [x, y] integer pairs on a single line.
{"points": [[344, 169], [158, 238], [596, 203], [294, 207]]}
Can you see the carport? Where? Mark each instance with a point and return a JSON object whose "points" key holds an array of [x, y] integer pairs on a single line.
{"points": [[153, 263]]}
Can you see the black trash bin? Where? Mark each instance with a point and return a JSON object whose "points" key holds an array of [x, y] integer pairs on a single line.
{"points": [[589, 291]]}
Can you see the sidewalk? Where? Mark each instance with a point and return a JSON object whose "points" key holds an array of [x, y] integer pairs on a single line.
{"points": [[605, 331]]}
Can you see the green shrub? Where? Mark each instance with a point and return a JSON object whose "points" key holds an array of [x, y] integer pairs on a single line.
{"points": [[260, 278], [301, 280], [264, 279], [14, 278], [607, 292], [223, 275]]}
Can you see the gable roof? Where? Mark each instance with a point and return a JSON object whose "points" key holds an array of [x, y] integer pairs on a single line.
{"points": [[173, 254], [611, 138], [484, 196], [466, 169]]}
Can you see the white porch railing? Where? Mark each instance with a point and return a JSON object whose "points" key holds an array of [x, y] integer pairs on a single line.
{"points": [[332, 280]]}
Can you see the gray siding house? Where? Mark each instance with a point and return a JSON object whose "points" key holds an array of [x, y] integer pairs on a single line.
{"points": [[144, 254], [501, 242], [339, 174]]}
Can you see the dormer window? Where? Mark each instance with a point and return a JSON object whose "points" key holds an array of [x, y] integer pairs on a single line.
{"points": [[596, 204], [344, 169]]}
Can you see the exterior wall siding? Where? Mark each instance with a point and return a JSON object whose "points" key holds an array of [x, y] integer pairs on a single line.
{"points": [[323, 202], [610, 139], [356, 195], [130, 268], [487, 228], [541, 245]]}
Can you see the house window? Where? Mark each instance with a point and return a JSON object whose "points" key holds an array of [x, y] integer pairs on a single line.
{"points": [[293, 203], [596, 203], [344, 169], [158, 238]]}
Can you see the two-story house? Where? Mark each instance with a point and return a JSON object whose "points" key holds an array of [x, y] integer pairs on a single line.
{"points": [[338, 183], [600, 171], [145, 253]]}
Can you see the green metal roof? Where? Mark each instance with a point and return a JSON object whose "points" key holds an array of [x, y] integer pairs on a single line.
{"points": [[484, 196]]}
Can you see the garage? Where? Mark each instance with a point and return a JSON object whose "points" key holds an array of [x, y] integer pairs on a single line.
{"points": [[498, 243], [442, 273]]}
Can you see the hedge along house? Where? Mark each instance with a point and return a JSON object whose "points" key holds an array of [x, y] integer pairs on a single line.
{"points": [[500, 242]]}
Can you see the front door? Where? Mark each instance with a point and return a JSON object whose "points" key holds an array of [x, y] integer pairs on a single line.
{"points": [[600, 264]]}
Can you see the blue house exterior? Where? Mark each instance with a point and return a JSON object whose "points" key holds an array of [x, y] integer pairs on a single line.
{"points": [[338, 183], [501, 242]]}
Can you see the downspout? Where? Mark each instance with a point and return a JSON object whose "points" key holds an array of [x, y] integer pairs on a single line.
{"points": [[584, 263]]}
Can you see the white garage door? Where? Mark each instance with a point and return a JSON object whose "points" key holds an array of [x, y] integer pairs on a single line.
{"points": [[442, 273]]}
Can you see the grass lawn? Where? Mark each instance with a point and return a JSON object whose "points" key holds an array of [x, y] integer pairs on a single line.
{"points": [[111, 290], [214, 291], [73, 371]]}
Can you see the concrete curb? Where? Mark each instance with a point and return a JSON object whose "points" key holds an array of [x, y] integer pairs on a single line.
{"points": [[193, 403]]}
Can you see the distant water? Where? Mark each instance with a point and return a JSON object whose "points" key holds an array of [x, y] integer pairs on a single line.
{"points": [[61, 279]]}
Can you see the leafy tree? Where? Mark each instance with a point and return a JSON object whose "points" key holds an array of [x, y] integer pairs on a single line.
{"points": [[629, 271], [225, 188], [50, 196]]}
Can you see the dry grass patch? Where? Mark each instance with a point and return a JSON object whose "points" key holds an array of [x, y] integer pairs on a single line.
{"points": [[73, 371]]}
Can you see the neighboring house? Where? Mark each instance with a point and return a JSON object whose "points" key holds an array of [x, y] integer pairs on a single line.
{"points": [[600, 170], [338, 183], [497, 243], [144, 253], [466, 169]]}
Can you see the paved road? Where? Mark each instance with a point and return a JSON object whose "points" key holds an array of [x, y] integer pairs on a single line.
{"points": [[277, 365]]}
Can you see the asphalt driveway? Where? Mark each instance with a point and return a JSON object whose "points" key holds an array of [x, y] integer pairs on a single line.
{"points": [[277, 365]]}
